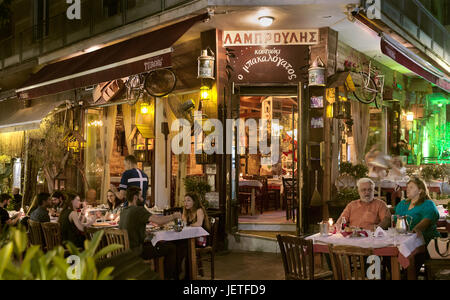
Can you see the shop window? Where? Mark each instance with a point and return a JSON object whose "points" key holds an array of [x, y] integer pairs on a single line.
{"points": [[94, 164]]}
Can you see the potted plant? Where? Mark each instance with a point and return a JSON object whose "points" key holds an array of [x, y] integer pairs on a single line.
{"points": [[20, 262], [198, 185]]}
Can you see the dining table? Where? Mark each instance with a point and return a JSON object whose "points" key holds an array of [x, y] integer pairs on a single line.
{"points": [[255, 185], [401, 248], [156, 234]]}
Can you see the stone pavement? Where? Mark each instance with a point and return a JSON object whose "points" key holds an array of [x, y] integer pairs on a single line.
{"points": [[233, 265]]}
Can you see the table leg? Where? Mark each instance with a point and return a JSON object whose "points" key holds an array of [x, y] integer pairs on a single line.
{"points": [[395, 268], [411, 271], [192, 255], [253, 200]]}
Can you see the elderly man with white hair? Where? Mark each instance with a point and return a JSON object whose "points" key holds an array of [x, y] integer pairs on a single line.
{"points": [[366, 212]]}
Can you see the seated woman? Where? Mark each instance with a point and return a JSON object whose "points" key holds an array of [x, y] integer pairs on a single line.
{"points": [[72, 228], [423, 212], [114, 205], [194, 214]]}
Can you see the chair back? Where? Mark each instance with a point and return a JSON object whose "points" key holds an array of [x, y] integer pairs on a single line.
{"points": [[348, 262], [35, 233], [297, 255], [52, 235], [117, 236], [213, 234], [290, 185]]}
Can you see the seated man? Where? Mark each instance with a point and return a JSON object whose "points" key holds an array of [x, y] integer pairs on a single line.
{"points": [[134, 219], [366, 212], [40, 214], [4, 215]]}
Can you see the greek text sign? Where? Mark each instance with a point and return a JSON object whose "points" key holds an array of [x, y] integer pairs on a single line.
{"points": [[271, 37], [280, 64]]}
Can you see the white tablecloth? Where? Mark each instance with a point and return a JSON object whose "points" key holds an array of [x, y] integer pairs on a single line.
{"points": [[252, 183], [406, 244], [171, 235]]}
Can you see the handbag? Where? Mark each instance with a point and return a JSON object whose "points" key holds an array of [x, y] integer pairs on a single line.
{"points": [[439, 248]]}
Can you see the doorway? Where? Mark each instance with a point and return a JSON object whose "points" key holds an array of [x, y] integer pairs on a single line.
{"points": [[257, 185]]}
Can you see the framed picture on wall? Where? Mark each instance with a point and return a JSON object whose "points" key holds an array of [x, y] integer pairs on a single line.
{"points": [[317, 122], [317, 102]]}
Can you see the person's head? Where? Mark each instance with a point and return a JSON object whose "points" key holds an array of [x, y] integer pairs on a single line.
{"points": [[44, 200], [4, 200], [73, 201], [57, 198], [134, 196], [416, 189], [16, 191], [112, 200], [192, 202], [396, 161], [130, 162], [366, 189]]}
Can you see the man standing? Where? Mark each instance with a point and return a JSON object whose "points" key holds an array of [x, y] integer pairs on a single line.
{"points": [[131, 177], [40, 214], [17, 199], [366, 212], [4, 215], [134, 219]]}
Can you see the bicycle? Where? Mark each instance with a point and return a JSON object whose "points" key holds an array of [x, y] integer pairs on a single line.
{"points": [[368, 85]]}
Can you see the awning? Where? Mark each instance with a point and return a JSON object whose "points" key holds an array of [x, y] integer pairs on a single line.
{"points": [[416, 64], [14, 117], [134, 56]]}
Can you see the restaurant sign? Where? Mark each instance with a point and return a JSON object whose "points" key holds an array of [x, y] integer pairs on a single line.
{"points": [[280, 64], [271, 37]]}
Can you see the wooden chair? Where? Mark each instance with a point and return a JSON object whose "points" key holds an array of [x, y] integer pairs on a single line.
{"points": [[207, 253], [90, 231], [52, 235], [298, 259], [117, 236], [349, 262], [290, 197], [35, 234], [245, 194]]}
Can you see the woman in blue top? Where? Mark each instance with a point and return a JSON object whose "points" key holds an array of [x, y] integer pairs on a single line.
{"points": [[423, 212]]}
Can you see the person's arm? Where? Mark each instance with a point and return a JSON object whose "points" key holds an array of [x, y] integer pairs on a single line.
{"points": [[14, 221], [81, 226], [345, 214], [422, 226], [430, 215], [200, 218], [162, 220], [385, 217]]}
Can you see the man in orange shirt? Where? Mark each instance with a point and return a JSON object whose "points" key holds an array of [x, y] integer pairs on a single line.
{"points": [[367, 212]]}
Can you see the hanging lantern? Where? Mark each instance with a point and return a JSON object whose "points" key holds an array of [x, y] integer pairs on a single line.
{"points": [[205, 93], [317, 73], [40, 177], [145, 108], [206, 65]]}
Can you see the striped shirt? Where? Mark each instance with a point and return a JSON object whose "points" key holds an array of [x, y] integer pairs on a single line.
{"points": [[135, 177]]}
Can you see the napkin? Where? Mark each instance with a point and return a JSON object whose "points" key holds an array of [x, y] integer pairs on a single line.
{"points": [[379, 233]]}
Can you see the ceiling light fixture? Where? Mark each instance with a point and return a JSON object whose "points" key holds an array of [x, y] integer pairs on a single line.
{"points": [[266, 21]]}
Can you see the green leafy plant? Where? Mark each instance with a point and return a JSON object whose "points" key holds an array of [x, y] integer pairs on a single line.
{"points": [[437, 172], [19, 262], [346, 195], [356, 171], [196, 184]]}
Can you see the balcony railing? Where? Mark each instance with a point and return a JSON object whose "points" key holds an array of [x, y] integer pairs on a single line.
{"points": [[415, 19], [59, 31]]}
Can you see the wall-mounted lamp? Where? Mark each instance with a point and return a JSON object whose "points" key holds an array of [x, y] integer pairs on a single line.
{"points": [[206, 65], [205, 93], [410, 116], [145, 108]]}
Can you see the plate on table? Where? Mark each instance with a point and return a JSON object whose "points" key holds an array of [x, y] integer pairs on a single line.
{"points": [[104, 224]]}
